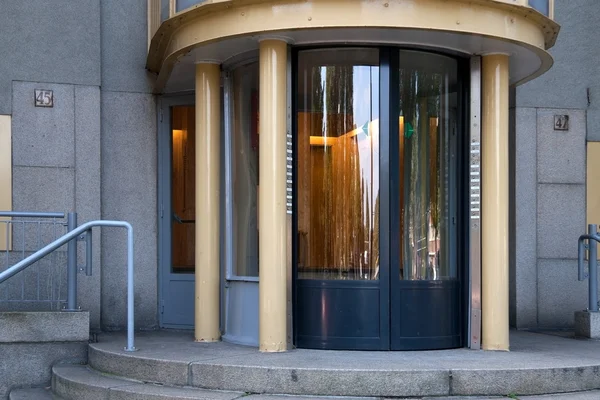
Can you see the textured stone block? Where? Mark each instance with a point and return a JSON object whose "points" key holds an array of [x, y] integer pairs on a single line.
{"points": [[43, 189], [321, 382], [43, 137], [31, 327], [78, 382], [170, 372], [125, 46], [87, 193], [57, 41], [73, 382], [129, 172], [560, 219], [525, 208], [593, 125], [524, 381], [575, 66], [31, 362], [31, 394], [560, 293], [561, 154], [587, 324]]}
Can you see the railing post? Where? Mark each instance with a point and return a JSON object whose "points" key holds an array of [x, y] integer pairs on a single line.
{"points": [[593, 268], [72, 265], [130, 291]]}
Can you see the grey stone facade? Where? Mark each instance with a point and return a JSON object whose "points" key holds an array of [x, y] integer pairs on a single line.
{"points": [[549, 204], [94, 152]]}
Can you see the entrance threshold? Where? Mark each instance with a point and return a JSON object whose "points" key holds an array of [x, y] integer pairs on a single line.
{"points": [[536, 364]]}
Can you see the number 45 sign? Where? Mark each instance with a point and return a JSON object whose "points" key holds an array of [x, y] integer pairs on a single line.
{"points": [[44, 98]]}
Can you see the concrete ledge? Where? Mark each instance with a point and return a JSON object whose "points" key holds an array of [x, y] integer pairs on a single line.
{"points": [[587, 324], [44, 326]]}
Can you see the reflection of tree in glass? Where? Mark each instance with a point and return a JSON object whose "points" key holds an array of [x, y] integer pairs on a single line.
{"points": [[420, 94]]}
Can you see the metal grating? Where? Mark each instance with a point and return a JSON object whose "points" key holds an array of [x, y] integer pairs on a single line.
{"points": [[43, 286]]}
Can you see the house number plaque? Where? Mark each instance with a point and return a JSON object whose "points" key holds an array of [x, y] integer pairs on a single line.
{"points": [[44, 98], [561, 122]]}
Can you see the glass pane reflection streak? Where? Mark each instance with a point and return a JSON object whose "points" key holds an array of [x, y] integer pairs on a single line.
{"points": [[338, 164], [427, 112]]}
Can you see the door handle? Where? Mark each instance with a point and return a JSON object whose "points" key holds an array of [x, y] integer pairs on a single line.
{"points": [[182, 221]]}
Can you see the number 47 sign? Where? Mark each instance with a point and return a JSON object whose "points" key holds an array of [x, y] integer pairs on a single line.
{"points": [[44, 98]]}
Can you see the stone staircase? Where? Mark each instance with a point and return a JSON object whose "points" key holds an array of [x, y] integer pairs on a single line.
{"points": [[32, 341], [78, 382], [169, 365]]}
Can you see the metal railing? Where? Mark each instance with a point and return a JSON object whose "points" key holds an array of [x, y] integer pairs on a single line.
{"points": [[70, 238], [593, 238], [45, 285]]}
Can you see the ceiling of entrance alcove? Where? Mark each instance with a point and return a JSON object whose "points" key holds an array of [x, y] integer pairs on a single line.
{"points": [[524, 61]]}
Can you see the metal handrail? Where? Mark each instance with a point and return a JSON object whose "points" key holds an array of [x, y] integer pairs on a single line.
{"points": [[593, 239], [21, 214], [21, 265]]}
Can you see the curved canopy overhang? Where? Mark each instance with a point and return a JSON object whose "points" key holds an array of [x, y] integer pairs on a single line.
{"points": [[221, 30]]}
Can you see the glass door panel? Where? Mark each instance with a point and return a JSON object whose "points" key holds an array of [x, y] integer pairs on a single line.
{"points": [[338, 285], [427, 111], [424, 289], [176, 188], [338, 158], [183, 167], [244, 171]]}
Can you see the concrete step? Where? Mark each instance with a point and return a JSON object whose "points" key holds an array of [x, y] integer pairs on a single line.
{"points": [[35, 340], [536, 364], [79, 382], [33, 394]]}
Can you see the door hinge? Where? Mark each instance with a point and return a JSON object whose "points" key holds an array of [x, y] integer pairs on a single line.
{"points": [[162, 210], [162, 306], [160, 114]]}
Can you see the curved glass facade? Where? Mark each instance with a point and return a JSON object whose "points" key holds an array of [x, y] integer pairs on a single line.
{"points": [[376, 194], [427, 108]]}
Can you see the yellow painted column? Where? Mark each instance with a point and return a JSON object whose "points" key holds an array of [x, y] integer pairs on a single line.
{"points": [[494, 202], [208, 129], [272, 197]]}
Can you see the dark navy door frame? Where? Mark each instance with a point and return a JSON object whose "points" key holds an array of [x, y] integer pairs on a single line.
{"points": [[388, 180], [424, 314]]}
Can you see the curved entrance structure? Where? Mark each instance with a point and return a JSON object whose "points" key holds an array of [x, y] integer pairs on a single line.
{"points": [[361, 172]]}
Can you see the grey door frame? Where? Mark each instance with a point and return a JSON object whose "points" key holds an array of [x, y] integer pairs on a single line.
{"points": [[164, 205], [474, 295]]}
